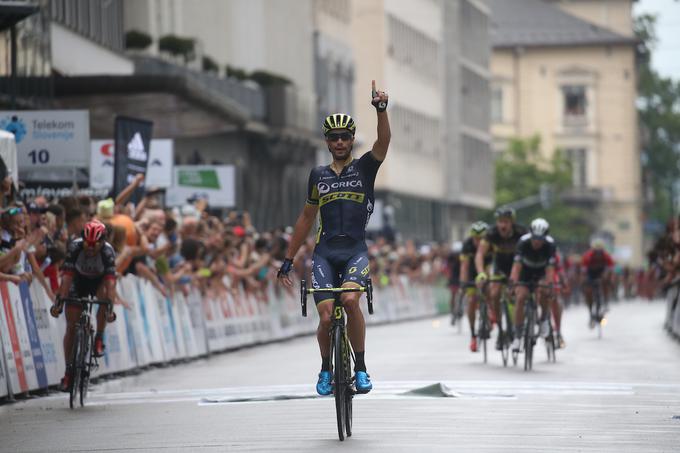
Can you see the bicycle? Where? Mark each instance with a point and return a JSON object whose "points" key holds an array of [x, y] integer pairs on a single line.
{"points": [[484, 323], [597, 308], [505, 327], [82, 360], [458, 309], [530, 324], [342, 355]]}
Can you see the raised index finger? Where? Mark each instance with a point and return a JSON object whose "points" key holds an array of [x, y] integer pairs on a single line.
{"points": [[373, 91]]}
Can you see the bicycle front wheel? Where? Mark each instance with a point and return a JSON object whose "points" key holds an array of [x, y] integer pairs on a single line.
{"points": [[529, 339], [86, 351], [349, 393], [339, 386], [76, 367]]}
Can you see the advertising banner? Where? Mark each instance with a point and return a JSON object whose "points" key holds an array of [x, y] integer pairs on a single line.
{"points": [[158, 173], [49, 138], [132, 139], [216, 183]]}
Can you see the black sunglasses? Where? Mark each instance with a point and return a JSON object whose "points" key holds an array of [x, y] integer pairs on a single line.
{"points": [[335, 136]]}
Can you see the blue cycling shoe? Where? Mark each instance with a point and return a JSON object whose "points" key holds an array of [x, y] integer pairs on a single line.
{"points": [[323, 386], [363, 382]]}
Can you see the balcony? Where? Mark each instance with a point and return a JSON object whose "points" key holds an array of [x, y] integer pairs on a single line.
{"points": [[246, 96]]}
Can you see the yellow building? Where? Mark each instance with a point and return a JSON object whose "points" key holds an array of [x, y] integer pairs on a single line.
{"points": [[565, 70]]}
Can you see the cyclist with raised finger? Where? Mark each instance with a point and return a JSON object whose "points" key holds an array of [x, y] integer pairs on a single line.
{"points": [[342, 193]]}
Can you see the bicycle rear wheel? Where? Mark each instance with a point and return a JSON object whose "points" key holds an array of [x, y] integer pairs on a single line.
{"points": [[339, 387], [76, 367], [87, 348]]}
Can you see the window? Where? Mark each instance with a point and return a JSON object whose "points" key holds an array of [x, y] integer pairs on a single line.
{"points": [[497, 105], [575, 105], [578, 159]]}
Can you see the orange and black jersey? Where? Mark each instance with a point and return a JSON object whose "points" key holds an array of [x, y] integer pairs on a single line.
{"points": [[504, 248], [345, 201]]}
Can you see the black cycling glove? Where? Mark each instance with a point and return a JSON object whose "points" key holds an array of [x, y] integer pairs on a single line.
{"points": [[285, 269], [379, 105]]}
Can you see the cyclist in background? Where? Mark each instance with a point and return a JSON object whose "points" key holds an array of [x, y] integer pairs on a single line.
{"points": [[598, 266], [534, 263], [501, 241], [453, 274], [468, 273], [89, 270]]}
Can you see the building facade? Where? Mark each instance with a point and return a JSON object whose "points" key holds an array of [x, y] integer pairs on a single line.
{"points": [[440, 169], [566, 71]]}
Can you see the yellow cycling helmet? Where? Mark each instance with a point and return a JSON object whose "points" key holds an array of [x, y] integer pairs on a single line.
{"points": [[339, 121]]}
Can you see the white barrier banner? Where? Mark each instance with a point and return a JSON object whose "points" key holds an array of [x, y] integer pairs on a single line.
{"points": [[51, 339], [155, 329], [11, 291]]}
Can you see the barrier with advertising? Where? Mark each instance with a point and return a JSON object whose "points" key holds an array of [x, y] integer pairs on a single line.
{"points": [[156, 329], [215, 183], [158, 173]]}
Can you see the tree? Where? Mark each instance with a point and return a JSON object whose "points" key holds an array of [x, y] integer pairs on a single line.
{"points": [[177, 47], [137, 40], [209, 65], [521, 170], [659, 113]]}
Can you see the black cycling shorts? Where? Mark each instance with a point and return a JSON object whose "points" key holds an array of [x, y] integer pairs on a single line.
{"points": [[336, 262], [530, 275], [85, 287]]}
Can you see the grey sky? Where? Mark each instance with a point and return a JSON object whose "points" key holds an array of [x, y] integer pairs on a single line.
{"points": [[666, 56]]}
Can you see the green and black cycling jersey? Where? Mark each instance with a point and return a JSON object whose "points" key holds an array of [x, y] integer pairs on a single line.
{"points": [[503, 248], [468, 254], [346, 200]]}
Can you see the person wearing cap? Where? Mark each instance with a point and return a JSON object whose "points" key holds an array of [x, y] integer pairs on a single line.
{"points": [[343, 194], [534, 263]]}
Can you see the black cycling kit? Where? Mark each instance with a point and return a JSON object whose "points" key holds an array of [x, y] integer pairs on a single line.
{"points": [[535, 261], [87, 270], [468, 254], [345, 204], [503, 249]]}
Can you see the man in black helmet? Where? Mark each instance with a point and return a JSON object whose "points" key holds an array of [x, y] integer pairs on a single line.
{"points": [[501, 241], [343, 192]]}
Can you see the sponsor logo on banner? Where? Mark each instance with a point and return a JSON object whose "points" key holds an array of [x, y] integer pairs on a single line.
{"points": [[14, 337], [33, 336], [49, 138]]}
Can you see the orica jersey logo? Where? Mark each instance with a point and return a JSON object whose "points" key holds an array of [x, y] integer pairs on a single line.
{"points": [[15, 125]]}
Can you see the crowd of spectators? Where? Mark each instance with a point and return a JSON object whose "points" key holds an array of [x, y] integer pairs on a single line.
{"points": [[180, 248]]}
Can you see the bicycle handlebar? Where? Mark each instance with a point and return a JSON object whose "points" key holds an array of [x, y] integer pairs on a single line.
{"points": [[85, 300], [304, 292]]}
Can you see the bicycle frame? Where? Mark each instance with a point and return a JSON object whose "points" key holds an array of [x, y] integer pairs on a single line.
{"points": [[341, 351], [82, 359]]}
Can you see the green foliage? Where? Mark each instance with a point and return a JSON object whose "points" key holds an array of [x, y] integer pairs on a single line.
{"points": [[178, 47], [236, 73], [520, 171], [264, 78], [209, 65], [659, 113], [137, 40]]}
